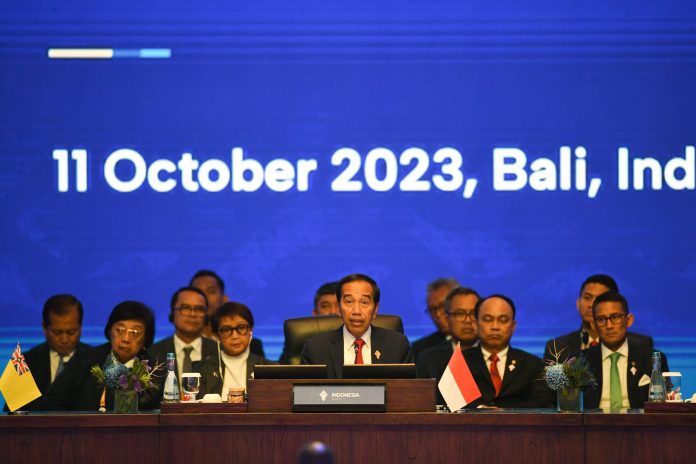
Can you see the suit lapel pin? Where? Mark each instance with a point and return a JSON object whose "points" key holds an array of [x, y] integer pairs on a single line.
{"points": [[512, 365], [633, 368], [215, 374], [378, 354]]}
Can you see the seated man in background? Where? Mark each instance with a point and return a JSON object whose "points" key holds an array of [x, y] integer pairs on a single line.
{"points": [[621, 366], [507, 377], [188, 312], [435, 307], [233, 323], [571, 344], [325, 302], [461, 320], [357, 341], [62, 327], [214, 288], [129, 330]]}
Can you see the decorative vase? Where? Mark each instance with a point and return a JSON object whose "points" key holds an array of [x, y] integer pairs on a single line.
{"points": [[570, 399], [126, 401]]}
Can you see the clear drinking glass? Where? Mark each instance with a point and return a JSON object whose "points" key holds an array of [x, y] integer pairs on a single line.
{"points": [[190, 384], [673, 384]]}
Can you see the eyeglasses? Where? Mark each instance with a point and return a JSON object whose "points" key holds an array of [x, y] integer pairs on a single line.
{"points": [[435, 309], [189, 310], [462, 316], [226, 330], [135, 334], [614, 318]]}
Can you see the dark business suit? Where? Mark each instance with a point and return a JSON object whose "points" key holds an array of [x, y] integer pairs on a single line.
{"points": [[427, 342], [327, 348], [75, 389], [523, 386], [159, 351], [568, 345], [39, 361], [211, 382], [639, 359]]}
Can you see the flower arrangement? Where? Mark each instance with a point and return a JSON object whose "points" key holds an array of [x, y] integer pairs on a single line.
{"points": [[573, 373], [568, 378], [116, 376]]}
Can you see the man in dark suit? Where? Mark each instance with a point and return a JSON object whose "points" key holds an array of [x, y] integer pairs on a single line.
{"points": [[435, 306], [62, 327], [325, 304], [507, 377], [188, 312], [357, 341], [214, 288], [621, 366], [560, 348], [461, 321]]}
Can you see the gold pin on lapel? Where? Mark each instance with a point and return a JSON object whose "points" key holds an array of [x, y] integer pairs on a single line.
{"points": [[633, 368], [378, 354], [512, 365]]}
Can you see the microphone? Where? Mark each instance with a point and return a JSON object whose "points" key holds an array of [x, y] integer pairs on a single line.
{"points": [[219, 359]]}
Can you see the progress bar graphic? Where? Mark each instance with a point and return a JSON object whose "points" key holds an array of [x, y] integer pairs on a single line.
{"points": [[108, 53]]}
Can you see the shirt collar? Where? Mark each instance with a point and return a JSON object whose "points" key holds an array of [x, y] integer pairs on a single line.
{"points": [[623, 350], [66, 357], [501, 354], [349, 338], [179, 344], [231, 361]]}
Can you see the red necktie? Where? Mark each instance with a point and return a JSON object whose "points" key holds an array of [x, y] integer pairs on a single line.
{"points": [[359, 343], [495, 375], [594, 343]]}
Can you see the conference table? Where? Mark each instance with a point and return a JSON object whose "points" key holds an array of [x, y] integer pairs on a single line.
{"points": [[534, 436]]}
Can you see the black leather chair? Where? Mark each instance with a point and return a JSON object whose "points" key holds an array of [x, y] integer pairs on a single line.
{"points": [[299, 329]]}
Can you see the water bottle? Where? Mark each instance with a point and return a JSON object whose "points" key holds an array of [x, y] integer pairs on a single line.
{"points": [[656, 393], [171, 385]]}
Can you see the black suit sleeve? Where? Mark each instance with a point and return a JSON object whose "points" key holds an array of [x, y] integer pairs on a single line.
{"points": [[64, 391]]}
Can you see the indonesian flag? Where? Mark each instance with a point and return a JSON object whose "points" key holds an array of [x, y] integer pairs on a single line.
{"points": [[17, 384], [457, 385]]}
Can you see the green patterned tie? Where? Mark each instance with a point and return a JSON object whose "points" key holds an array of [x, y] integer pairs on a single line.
{"points": [[615, 396]]}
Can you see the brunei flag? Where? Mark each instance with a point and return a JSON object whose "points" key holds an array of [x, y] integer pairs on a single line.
{"points": [[17, 384]]}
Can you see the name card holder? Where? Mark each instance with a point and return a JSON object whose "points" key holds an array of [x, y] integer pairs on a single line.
{"points": [[401, 395], [353, 397]]}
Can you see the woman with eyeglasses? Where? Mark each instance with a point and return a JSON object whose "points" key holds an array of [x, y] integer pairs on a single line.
{"points": [[233, 324], [130, 329]]}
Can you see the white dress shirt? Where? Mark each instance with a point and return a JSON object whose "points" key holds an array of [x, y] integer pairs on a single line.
{"points": [[55, 361], [502, 359], [196, 352], [349, 348], [622, 364]]}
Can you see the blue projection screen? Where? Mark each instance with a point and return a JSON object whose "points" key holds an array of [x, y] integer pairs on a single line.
{"points": [[518, 148]]}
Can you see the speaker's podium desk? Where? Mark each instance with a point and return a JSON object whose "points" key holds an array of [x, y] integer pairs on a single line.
{"points": [[402, 395]]}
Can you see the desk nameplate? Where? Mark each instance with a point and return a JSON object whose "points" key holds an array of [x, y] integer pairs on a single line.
{"points": [[355, 397]]}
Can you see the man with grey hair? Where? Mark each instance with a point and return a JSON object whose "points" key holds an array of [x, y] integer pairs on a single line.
{"points": [[435, 300]]}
